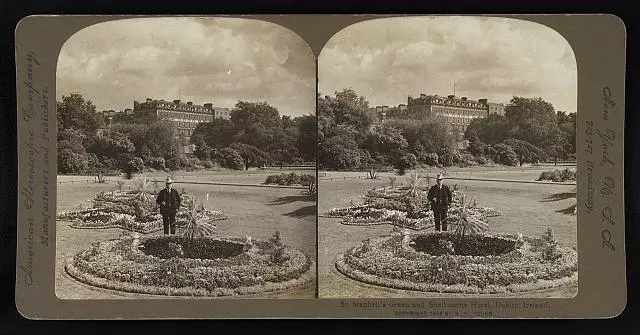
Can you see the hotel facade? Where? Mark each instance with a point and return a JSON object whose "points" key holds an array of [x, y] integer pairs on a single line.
{"points": [[183, 117], [456, 112]]}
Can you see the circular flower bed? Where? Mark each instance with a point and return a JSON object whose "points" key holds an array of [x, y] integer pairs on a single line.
{"points": [[450, 263], [206, 266]]}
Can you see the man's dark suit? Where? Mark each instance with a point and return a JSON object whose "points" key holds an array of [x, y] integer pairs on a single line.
{"points": [[169, 202], [440, 198]]}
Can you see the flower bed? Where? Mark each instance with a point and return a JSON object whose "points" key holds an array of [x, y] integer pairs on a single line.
{"points": [[171, 265], [395, 207], [445, 262], [129, 210]]}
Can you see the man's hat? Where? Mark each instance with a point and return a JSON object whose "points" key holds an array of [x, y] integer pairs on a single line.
{"points": [[439, 177], [169, 181]]}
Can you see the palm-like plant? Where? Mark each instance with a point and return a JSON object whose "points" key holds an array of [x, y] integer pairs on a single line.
{"points": [[466, 223], [198, 224], [143, 188], [414, 182]]}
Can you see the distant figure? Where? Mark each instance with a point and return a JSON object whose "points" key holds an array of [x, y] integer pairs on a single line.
{"points": [[440, 198], [169, 201]]}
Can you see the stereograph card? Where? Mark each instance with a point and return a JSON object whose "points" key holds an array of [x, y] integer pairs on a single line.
{"points": [[320, 166]]}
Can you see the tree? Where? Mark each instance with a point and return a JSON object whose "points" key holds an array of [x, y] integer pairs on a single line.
{"points": [[424, 136], [567, 126], [491, 130], [113, 145], [532, 120], [307, 139], [504, 154], [71, 157], [229, 158], [477, 148], [339, 152], [526, 152], [251, 155], [77, 113], [386, 141], [346, 108], [216, 134]]}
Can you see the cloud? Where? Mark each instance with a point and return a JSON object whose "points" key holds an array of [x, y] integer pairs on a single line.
{"points": [[496, 58], [221, 60]]}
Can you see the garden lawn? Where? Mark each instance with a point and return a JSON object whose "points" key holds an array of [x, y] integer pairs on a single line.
{"points": [[253, 211], [527, 208]]}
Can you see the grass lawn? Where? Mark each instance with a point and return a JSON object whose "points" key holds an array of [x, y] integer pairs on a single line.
{"points": [[253, 211], [527, 208]]}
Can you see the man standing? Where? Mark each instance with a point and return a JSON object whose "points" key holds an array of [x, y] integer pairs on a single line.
{"points": [[440, 198], [169, 201]]}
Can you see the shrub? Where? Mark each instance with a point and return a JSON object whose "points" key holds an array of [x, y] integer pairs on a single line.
{"points": [[505, 155], [431, 159], [172, 160], [134, 165], [481, 160], [290, 179], [446, 158], [157, 163], [230, 159], [194, 162], [407, 162], [558, 175], [208, 164]]}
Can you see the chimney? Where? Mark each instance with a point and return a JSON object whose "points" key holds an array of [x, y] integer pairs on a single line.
{"points": [[464, 98], [189, 103], [176, 101], [451, 96]]}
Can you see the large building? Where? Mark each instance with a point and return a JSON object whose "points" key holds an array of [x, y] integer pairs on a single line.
{"points": [[457, 112], [184, 117]]}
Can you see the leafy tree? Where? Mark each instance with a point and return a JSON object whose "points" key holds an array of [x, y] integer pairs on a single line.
{"points": [[77, 113], [567, 126], [505, 155], [216, 134], [477, 148], [307, 137], [251, 155], [526, 152], [339, 152], [533, 120], [386, 141], [113, 145], [427, 135], [493, 129], [72, 157], [229, 158]]}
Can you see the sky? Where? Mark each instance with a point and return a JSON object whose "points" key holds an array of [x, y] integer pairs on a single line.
{"points": [[387, 60], [219, 60]]}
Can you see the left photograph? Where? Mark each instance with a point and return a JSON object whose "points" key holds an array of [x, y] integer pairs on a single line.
{"points": [[186, 161]]}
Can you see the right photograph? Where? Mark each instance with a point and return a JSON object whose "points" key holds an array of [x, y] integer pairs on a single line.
{"points": [[447, 160]]}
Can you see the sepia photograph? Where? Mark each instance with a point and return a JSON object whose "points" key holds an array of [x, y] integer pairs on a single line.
{"points": [[186, 161], [447, 160]]}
